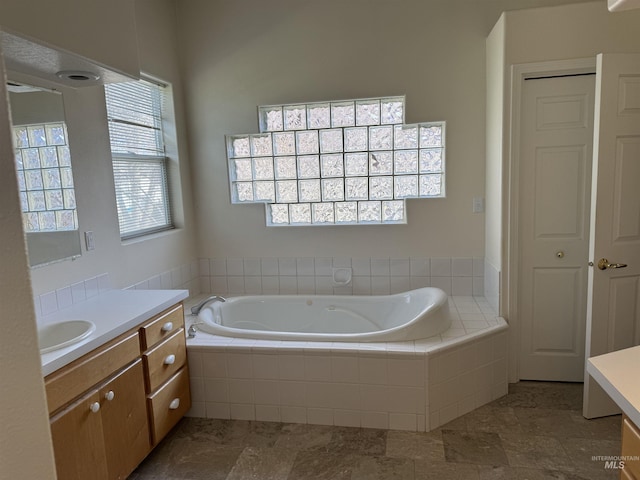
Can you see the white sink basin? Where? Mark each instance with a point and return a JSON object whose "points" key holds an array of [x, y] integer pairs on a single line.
{"points": [[62, 334]]}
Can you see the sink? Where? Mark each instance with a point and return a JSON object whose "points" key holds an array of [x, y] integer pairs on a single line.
{"points": [[62, 334]]}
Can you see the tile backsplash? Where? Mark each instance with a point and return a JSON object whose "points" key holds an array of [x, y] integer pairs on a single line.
{"points": [[182, 277], [462, 276]]}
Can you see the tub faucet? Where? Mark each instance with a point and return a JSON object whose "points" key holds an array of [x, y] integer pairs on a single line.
{"points": [[215, 298]]}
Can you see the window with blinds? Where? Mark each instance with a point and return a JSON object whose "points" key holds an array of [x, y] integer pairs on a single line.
{"points": [[134, 111]]}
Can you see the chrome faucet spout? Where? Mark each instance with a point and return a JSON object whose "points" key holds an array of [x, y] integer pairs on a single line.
{"points": [[215, 298]]}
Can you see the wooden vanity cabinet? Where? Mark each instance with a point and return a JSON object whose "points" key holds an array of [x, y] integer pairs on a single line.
{"points": [[630, 450], [109, 408]]}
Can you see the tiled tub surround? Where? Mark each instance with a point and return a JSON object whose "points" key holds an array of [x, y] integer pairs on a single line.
{"points": [[414, 385], [459, 276]]}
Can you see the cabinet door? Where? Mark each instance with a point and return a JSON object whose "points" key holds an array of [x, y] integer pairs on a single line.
{"points": [[124, 421], [78, 443]]}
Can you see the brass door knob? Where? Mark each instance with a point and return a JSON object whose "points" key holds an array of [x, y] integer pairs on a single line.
{"points": [[604, 264]]}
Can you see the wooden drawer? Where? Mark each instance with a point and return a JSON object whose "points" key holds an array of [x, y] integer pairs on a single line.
{"points": [[165, 359], [65, 384], [161, 326], [630, 448], [169, 404]]}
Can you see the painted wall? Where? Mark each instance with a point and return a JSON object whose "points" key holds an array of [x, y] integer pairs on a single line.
{"points": [[154, 43], [23, 409]]}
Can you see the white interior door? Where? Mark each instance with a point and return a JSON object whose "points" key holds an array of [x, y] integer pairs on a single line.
{"points": [[555, 185], [613, 309]]}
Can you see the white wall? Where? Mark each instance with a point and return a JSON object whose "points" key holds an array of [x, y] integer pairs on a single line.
{"points": [[25, 445], [153, 42]]}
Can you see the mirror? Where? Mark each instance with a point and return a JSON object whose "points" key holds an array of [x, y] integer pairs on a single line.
{"points": [[45, 178]]}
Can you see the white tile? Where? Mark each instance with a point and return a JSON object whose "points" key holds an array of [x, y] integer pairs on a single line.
{"points": [[345, 395], [65, 299], [91, 287], [462, 267], [265, 366], [400, 267], [462, 285], [240, 391], [270, 285], [317, 368], [235, 285], [406, 399], [239, 365], [399, 284], [288, 285], [218, 410], [176, 277], [420, 282], [361, 285], [375, 398], [252, 267], [361, 267], [306, 285], [293, 394], [37, 306], [323, 266], [320, 395], [434, 419], [195, 363], [478, 266], [235, 267], [204, 268], [287, 266], [346, 418], [324, 286], [420, 267], [478, 286], [440, 267], [155, 282], [253, 285], [422, 423], [267, 413], [216, 390], [219, 285], [269, 266], [197, 389], [380, 285], [343, 290], [305, 266], [320, 416], [373, 370], [104, 283], [403, 421], [78, 292], [406, 372], [266, 392], [293, 414], [291, 367], [380, 267], [443, 283], [344, 368], [197, 410], [378, 420], [341, 262], [144, 285], [449, 413], [242, 412]]}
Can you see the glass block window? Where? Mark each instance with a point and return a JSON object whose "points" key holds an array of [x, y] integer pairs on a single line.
{"points": [[337, 163], [45, 179]]}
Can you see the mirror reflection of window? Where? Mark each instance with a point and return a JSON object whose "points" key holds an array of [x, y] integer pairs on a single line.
{"points": [[43, 160]]}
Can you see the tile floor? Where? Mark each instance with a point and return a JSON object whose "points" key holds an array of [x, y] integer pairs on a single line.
{"points": [[535, 432]]}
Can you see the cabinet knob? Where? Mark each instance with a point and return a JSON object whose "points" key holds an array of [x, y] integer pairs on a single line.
{"points": [[95, 407], [167, 327], [170, 359], [175, 403], [109, 395]]}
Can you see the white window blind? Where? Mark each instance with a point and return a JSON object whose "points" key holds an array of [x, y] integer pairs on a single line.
{"points": [[134, 111]]}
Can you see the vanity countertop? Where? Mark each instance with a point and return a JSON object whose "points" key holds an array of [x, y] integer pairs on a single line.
{"points": [[617, 374], [113, 312]]}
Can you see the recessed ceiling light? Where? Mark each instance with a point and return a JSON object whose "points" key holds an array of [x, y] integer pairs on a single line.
{"points": [[77, 75]]}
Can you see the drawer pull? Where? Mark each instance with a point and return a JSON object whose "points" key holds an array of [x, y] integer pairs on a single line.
{"points": [[170, 359], [109, 395], [175, 403], [95, 407], [167, 327]]}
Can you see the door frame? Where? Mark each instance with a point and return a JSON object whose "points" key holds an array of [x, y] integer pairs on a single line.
{"points": [[511, 193]]}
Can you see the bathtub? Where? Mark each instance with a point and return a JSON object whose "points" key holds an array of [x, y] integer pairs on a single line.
{"points": [[412, 315]]}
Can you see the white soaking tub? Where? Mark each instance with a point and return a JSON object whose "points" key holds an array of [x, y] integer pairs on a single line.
{"points": [[411, 315]]}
